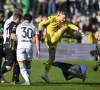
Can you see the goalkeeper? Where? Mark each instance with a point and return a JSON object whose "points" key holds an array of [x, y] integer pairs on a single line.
{"points": [[56, 26]]}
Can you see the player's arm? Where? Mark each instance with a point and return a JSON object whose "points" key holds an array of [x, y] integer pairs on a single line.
{"points": [[14, 37], [37, 43], [36, 32], [74, 27], [1, 32], [44, 23], [13, 33]]}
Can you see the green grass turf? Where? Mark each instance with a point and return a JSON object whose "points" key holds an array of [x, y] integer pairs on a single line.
{"points": [[57, 79]]}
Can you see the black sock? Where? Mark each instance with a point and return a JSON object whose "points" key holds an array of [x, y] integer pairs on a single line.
{"points": [[0, 64], [3, 70], [0, 61], [16, 72]]}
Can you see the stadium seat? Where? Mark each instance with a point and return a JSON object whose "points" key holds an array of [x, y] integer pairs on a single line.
{"points": [[72, 40], [64, 40]]}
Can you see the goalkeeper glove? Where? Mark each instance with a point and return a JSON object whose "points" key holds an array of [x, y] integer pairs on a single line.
{"points": [[80, 30], [40, 35]]}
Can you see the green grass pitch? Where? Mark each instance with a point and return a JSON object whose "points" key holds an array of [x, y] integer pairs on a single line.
{"points": [[57, 79]]}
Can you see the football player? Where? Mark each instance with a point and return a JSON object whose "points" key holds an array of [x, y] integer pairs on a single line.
{"points": [[56, 26]]}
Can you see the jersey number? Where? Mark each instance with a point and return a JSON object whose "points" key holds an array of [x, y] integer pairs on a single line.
{"points": [[27, 33]]}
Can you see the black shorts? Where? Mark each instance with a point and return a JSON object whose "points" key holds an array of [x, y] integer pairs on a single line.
{"points": [[2, 53], [10, 56]]}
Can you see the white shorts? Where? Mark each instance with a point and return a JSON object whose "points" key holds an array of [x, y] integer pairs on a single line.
{"points": [[24, 54]]}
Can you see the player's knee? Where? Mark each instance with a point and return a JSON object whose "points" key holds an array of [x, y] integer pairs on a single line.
{"points": [[9, 68], [64, 27]]}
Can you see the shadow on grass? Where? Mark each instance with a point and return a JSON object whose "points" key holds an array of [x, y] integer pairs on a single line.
{"points": [[51, 84]]}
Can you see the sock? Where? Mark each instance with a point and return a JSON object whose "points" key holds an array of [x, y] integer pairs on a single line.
{"points": [[16, 72], [0, 61], [47, 66], [24, 74], [3, 70], [28, 69]]}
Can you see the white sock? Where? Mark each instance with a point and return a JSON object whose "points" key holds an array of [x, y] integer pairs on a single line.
{"points": [[45, 74], [24, 74], [28, 69]]}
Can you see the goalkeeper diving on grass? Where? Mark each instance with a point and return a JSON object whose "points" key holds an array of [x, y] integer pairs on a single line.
{"points": [[56, 26]]}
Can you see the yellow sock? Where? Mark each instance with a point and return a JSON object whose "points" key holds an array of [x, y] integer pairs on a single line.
{"points": [[48, 66]]}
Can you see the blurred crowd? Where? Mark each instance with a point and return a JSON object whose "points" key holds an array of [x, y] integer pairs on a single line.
{"points": [[83, 13]]}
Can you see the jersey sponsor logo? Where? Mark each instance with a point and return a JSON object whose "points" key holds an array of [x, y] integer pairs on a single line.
{"points": [[26, 40]]}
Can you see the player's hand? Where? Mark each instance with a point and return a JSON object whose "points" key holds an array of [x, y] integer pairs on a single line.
{"points": [[98, 58], [81, 31], [40, 34], [38, 54]]}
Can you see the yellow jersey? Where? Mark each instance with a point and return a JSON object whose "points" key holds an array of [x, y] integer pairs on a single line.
{"points": [[53, 24]]}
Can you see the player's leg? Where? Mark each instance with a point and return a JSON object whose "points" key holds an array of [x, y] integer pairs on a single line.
{"points": [[0, 61], [55, 38], [52, 53], [29, 58], [16, 70], [21, 57], [70, 32], [28, 68], [0, 58], [9, 62], [2, 79]]}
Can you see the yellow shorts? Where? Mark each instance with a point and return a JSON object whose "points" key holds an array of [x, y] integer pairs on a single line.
{"points": [[52, 40]]}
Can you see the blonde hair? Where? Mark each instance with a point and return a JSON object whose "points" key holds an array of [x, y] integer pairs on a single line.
{"points": [[97, 33]]}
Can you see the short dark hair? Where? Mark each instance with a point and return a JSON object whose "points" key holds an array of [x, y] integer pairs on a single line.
{"points": [[16, 16], [28, 17], [2, 12], [17, 10]]}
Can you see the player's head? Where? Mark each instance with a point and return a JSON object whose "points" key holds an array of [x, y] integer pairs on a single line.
{"points": [[1, 15], [17, 18], [28, 17], [18, 10], [97, 35], [62, 16]]}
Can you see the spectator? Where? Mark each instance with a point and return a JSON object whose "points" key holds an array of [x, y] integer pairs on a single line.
{"points": [[62, 5], [41, 6], [81, 19], [98, 18], [9, 7], [26, 4], [73, 8], [89, 30], [1, 3], [93, 19], [19, 4], [51, 7], [96, 5], [74, 20]]}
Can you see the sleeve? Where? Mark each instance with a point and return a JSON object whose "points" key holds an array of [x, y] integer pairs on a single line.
{"points": [[17, 29], [72, 26], [13, 29], [36, 31], [45, 22]]}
